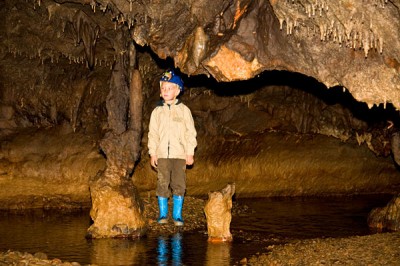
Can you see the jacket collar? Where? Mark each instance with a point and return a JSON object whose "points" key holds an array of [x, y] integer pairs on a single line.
{"points": [[162, 102]]}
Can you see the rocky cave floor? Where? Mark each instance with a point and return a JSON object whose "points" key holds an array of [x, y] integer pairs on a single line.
{"points": [[374, 249]]}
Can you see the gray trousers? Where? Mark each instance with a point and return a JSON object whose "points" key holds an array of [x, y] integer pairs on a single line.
{"points": [[171, 176]]}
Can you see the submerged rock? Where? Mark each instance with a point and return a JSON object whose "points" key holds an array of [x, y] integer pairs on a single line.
{"points": [[386, 218], [22, 258]]}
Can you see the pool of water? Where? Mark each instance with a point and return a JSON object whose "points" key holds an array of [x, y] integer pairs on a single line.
{"points": [[62, 235]]}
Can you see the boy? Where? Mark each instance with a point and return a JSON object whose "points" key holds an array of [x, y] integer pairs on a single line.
{"points": [[172, 140]]}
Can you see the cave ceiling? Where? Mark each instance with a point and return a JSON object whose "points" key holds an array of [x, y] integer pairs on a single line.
{"points": [[349, 43]]}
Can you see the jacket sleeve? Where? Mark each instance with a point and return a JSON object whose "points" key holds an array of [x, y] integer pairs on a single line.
{"points": [[153, 136], [190, 134]]}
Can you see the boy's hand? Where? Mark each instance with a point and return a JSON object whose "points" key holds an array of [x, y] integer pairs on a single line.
{"points": [[189, 159], [153, 161]]}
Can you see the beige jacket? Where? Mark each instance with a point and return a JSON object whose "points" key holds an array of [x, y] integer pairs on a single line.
{"points": [[171, 131]]}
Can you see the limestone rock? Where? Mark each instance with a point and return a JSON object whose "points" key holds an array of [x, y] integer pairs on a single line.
{"points": [[117, 210], [218, 213], [386, 218]]}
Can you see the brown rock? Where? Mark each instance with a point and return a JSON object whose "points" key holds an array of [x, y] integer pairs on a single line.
{"points": [[218, 213], [386, 218], [116, 210]]}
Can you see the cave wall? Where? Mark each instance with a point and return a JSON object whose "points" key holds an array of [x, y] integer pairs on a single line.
{"points": [[48, 168], [43, 95]]}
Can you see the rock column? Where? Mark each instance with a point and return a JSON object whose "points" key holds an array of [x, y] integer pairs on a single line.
{"points": [[117, 210]]}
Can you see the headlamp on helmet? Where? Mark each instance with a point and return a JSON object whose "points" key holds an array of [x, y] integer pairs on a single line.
{"points": [[170, 76]]}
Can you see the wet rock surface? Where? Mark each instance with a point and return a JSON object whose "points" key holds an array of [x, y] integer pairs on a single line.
{"points": [[23, 258], [116, 210], [218, 213], [386, 218]]}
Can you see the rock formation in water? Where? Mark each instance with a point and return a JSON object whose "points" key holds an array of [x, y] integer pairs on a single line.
{"points": [[218, 213], [386, 218]]}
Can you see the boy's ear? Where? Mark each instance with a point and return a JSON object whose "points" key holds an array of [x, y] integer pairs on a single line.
{"points": [[177, 91]]}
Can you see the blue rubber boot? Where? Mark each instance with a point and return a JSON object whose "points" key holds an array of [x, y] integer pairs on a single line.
{"points": [[177, 210], [163, 207]]}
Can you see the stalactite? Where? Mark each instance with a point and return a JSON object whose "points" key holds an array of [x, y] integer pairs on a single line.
{"points": [[365, 43], [200, 46], [87, 31], [93, 5], [380, 44], [103, 8], [348, 30], [281, 20]]}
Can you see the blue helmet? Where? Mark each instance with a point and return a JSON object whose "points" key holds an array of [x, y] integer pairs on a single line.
{"points": [[170, 76]]}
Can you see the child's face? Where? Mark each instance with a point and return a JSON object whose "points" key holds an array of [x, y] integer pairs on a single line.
{"points": [[169, 91]]}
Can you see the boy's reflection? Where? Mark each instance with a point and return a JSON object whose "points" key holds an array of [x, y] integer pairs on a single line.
{"points": [[168, 246]]}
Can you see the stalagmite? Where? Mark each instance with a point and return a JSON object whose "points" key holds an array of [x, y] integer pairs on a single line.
{"points": [[117, 210], [218, 213]]}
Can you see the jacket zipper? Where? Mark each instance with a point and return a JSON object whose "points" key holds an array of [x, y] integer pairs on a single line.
{"points": [[169, 108]]}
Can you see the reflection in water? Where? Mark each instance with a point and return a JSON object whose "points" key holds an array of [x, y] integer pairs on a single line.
{"points": [[218, 253], [117, 252], [169, 251], [162, 251], [176, 244], [164, 248]]}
